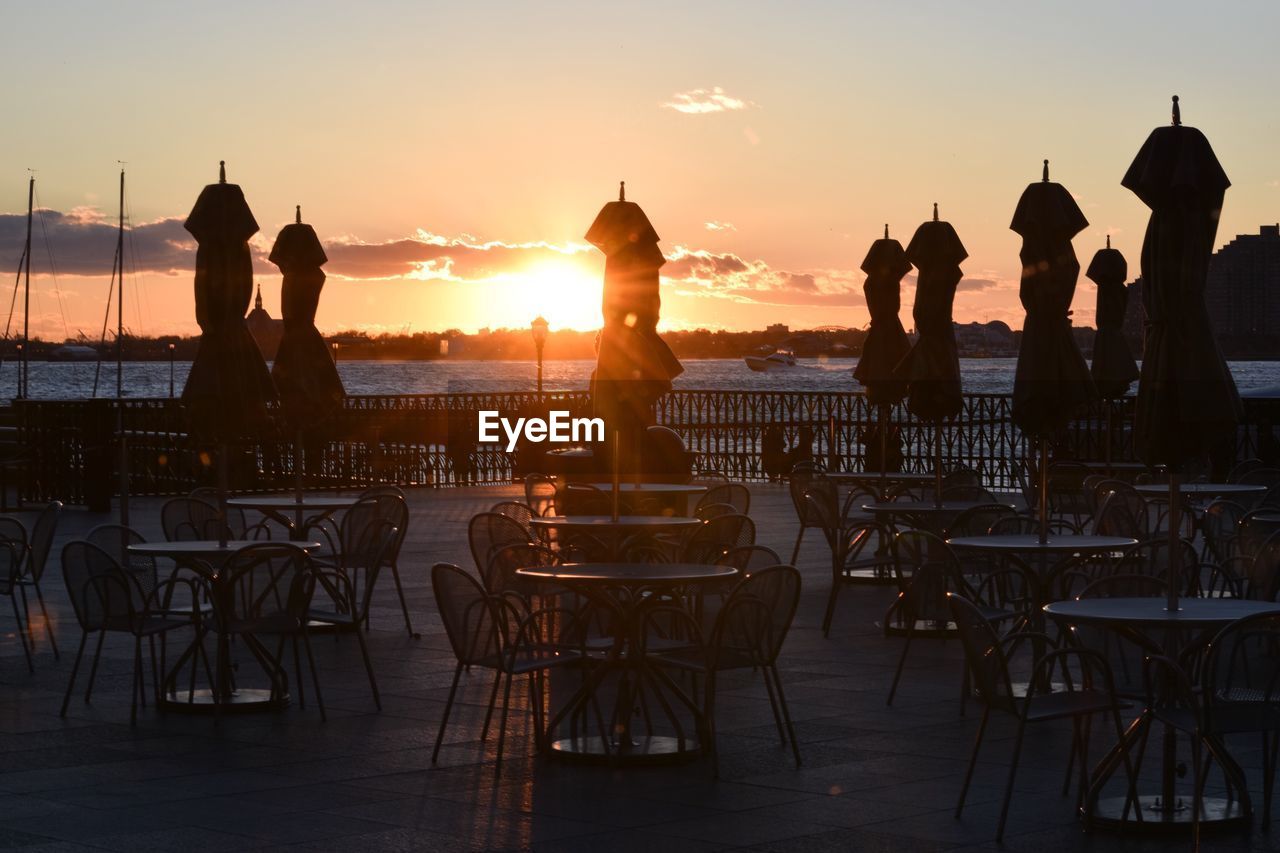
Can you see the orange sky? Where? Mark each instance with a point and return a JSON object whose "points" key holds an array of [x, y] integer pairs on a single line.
{"points": [[451, 156]]}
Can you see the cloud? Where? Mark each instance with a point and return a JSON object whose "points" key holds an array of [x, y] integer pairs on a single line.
{"points": [[427, 256], [725, 275], [701, 101], [83, 242], [719, 226], [976, 284]]}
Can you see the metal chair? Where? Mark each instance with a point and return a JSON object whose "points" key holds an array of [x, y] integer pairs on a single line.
{"points": [[735, 495], [487, 532], [541, 493], [1219, 525], [106, 598], [748, 633], [11, 559], [1078, 694], [803, 476], [1123, 513], [347, 544], [486, 632], [35, 560], [265, 591], [351, 605], [978, 520], [1024, 524], [716, 537], [517, 511]]}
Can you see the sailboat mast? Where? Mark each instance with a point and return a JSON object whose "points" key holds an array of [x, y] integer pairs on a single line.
{"points": [[26, 297], [119, 272]]}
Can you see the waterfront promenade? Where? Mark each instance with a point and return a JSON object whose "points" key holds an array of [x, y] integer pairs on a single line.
{"points": [[873, 778]]}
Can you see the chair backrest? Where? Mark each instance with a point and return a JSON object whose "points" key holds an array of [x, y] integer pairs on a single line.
{"points": [[469, 615], [925, 569], [718, 536], [1261, 477], [266, 584], [735, 495], [1240, 678], [540, 493], [489, 531], [1126, 586], [187, 519], [967, 493], [749, 557], [515, 510], [961, 476], [499, 575], [115, 539], [1244, 467], [709, 511], [41, 541], [822, 507], [1015, 524], [383, 490], [1254, 528], [754, 620], [1219, 523], [1123, 513], [1262, 578], [1152, 558], [81, 563], [12, 530], [988, 665], [356, 532], [585, 499], [978, 520], [803, 477]]}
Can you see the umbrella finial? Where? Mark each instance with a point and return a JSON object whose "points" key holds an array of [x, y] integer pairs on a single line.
{"points": [[1108, 241], [1045, 178], [886, 230], [1177, 113], [297, 214], [222, 171], [622, 190], [935, 211]]}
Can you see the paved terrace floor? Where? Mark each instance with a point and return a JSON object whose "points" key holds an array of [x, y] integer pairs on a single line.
{"points": [[873, 779]]}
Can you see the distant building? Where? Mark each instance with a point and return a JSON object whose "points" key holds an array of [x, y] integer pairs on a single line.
{"points": [[777, 330], [993, 339], [265, 330], [1242, 294]]}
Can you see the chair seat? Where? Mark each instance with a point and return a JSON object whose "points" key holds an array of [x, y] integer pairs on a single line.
{"points": [[532, 660], [268, 623], [1233, 717], [1053, 706]]}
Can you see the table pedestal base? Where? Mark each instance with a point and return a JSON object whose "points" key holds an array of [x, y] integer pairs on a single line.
{"points": [[651, 749], [201, 701], [1215, 813]]}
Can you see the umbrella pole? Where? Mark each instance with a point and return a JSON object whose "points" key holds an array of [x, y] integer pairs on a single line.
{"points": [[1044, 491], [832, 459], [1106, 438], [297, 477], [1175, 549], [617, 436], [123, 466], [884, 449], [222, 494]]}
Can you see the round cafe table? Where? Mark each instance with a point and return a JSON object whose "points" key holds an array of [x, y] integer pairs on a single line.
{"points": [[632, 495], [613, 531], [878, 482], [1201, 491], [279, 507], [207, 556], [1057, 545], [1138, 619], [619, 588], [930, 515]]}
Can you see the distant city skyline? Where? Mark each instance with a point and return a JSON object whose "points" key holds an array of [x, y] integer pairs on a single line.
{"points": [[452, 157]]}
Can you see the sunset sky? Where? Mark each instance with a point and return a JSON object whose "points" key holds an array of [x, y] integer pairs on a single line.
{"points": [[452, 155]]}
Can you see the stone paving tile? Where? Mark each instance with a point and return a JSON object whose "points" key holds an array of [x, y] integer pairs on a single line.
{"points": [[873, 777]]}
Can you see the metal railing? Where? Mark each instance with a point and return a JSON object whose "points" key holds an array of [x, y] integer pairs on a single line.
{"points": [[430, 439]]}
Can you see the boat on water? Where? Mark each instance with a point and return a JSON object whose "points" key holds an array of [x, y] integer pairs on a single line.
{"points": [[777, 360], [74, 352]]}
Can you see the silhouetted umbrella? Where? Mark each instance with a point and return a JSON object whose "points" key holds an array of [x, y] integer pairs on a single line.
{"points": [[886, 343], [306, 378], [931, 368], [228, 387], [1187, 401], [1113, 366], [634, 366], [1052, 380]]}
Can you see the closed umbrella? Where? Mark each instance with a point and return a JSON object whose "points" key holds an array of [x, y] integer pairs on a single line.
{"points": [[228, 388], [1187, 401], [310, 389], [634, 366], [1113, 366], [886, 343], [931, 368], [1052, 380]]}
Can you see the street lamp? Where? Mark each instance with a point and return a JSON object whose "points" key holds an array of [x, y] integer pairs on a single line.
{"points": [[539, 328], [335, 351], [172, 347]]}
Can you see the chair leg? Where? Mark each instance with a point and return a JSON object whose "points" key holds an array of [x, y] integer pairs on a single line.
{"points": [[75, 669], [448, 706], [1013, 772], [795, 553], [404, 605], [93, 667], [297, 667], [786, 714], [22, 633], [831, 597], [773, 706], [48, 626], [502, 723], [493, 703], [710, 714], [973, 759], [902, 660], [368, 668], [1269, 780], [137, 680], [315, 679]]}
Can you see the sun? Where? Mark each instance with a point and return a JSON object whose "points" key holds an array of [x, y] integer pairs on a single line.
{"points": [[565, 293]]}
